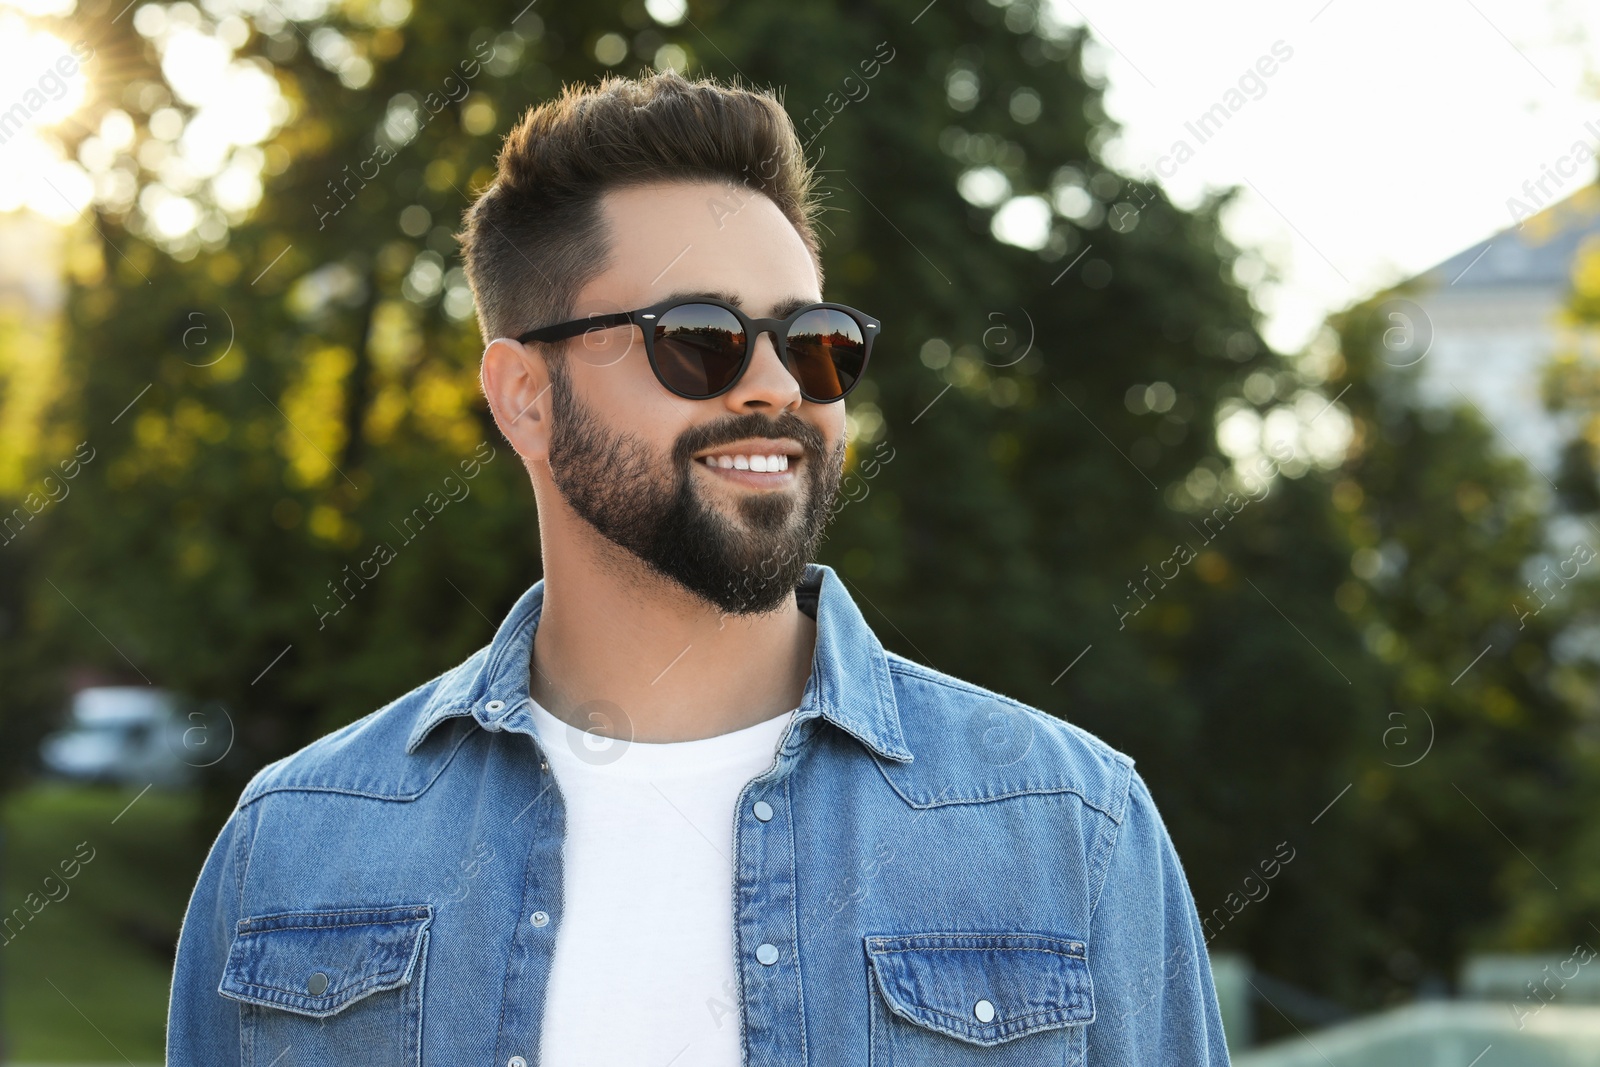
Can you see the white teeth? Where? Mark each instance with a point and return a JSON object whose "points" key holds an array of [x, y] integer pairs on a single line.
{"points": [[773, 464]]}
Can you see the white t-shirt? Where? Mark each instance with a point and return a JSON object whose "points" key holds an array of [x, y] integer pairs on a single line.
{"points": [[643, 974]]}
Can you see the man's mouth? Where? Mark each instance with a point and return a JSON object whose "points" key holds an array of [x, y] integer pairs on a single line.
{"points": [[766, 471], [758, 463]]}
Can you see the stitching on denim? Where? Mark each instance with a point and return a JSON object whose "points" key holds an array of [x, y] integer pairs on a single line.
{"points": [[482, 681], [556, 892], [794, 914], [368, 984], [426, 911], [398, 798], [246, 842], [491, 669], [877, 947], [969, 935], [913, 669], [883, 679], [1100, 865], [1123, 787], [414, 987], [1100, 862], [960, 1024], [881, 951], [733, 890], [293, 999], [1041, 791], [878, 667], [325, 926]]}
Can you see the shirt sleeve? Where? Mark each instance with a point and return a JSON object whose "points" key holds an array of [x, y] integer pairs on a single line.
{"points": [[1153, 994], [202, 1025]]}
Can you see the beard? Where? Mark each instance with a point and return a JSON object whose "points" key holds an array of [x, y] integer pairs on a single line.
{"points": [[656, 512]]}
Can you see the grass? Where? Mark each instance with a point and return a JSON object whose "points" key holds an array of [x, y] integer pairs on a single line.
{"points": [[86, 979]]}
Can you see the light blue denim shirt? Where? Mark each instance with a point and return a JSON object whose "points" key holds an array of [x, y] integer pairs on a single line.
{"points": [[934, 875]]}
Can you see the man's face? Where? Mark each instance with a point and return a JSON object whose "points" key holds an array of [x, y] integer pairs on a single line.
{"points": [[628, 456]]}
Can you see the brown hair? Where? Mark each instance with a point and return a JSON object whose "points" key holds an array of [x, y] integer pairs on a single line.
{"points": [[536, 236]]}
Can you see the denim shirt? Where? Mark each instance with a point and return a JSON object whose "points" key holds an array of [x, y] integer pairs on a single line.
{"points": [[934, 875]]}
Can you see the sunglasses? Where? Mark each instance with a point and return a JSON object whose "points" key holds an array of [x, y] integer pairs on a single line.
{"points": [[699, 347]]}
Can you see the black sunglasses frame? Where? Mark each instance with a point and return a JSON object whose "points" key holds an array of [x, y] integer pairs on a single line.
{"points": [[647, 318]]}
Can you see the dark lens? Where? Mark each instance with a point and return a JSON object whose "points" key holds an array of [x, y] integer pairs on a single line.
{"points": [[828, 353], [699, 348]]}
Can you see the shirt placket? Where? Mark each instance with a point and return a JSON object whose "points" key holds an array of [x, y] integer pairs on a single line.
{"points": [[540, 821], [765, 927]]}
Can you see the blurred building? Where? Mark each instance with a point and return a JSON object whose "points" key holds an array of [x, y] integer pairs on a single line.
{"points": [[1491, 318]]}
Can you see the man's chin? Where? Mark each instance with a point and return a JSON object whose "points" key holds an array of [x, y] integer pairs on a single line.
{"points": [[756, 585]]}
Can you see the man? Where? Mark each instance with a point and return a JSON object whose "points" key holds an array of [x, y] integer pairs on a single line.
{"points": [[684, 808]]}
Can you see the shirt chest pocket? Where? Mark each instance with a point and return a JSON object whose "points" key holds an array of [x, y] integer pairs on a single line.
{"points": [[340, 986], [973, 998]]}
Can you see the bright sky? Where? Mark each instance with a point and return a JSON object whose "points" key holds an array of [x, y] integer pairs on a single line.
{"points": [[1391, 138]]}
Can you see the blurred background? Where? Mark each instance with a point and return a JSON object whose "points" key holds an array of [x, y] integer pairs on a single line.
{"points": [[1239, 401]]}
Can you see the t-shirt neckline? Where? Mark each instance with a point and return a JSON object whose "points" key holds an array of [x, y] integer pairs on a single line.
{"points": [[600, 754]]}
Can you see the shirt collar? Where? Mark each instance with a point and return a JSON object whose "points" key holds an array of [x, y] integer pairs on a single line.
{"points": [[850, 685]]}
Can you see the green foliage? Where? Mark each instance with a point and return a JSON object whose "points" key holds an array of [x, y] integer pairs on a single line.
{"points": [[101, 943], [1476, 787]]}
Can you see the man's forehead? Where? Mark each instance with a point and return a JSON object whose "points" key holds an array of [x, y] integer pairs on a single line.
{"points": [[704, 237]]}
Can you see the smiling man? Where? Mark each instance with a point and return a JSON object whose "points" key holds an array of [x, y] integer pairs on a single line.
{"points": [[684, 807]]}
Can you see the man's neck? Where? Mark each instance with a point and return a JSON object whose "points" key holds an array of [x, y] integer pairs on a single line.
{"points": [[622, 652]]}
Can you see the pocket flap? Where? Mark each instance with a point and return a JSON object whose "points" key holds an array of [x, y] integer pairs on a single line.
{"points": [[984, 988], [318, 962]]}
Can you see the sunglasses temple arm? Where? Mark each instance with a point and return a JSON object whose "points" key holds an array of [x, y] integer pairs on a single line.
{"points": [[577, 326]]}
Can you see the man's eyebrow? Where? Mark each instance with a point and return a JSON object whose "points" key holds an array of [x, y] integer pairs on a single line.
{"points": [[782, 310]]}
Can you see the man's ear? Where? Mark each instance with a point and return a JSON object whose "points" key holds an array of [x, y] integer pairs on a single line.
{"points": [[516, 382]]}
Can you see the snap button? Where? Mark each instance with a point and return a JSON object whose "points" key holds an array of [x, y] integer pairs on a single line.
{"points": [[983, 1010], [317, 984], [767, 953], [762, 809], [539, 918], [494, 706], [516, 1061]]}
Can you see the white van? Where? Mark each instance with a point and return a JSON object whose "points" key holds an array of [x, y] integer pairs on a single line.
{"points": [[122, 735]]}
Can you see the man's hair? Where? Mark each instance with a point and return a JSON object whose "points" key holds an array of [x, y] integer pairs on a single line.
{"points": [[537, 236]]}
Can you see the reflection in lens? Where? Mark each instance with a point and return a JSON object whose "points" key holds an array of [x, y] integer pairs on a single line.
{"points": [[827, 352], [699, 347]]}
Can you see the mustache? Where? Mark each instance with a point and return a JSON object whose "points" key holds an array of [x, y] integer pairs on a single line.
{"points": [[742, 427]]}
